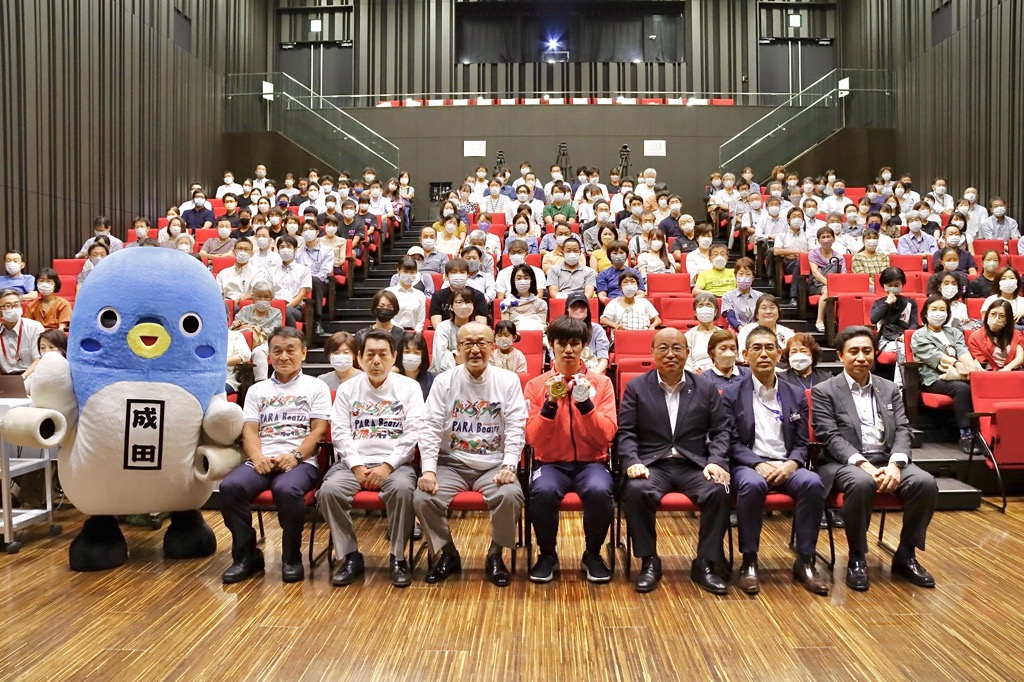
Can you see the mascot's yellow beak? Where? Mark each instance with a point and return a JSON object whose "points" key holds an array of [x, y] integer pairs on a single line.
{"points": [[149, 340]]}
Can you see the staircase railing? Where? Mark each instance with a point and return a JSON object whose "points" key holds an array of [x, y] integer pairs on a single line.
{"points": [[276, 102], [840, 98]]}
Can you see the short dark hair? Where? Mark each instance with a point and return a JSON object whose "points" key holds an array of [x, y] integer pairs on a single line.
{"points": [[759, 330], [289, 240], [282, 332], [892, 274], [564, 329], [384, 294], [804, 339], [50, 274], [932, 299], [101, 221], [57, 337], [843, 337], [377, 335], [456, 264], [337, 340]]}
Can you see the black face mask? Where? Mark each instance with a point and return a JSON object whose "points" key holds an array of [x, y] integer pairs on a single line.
{"points": [[384, 314], [243, 221]]}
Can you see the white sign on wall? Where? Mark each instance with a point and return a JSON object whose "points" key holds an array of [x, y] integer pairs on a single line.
{"points": [[474, 147], [654, 147]]}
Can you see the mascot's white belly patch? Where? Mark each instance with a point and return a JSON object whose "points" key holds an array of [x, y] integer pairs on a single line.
{"points": [[134, 450]]}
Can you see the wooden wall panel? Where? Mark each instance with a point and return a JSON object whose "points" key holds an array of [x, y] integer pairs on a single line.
{"points": [[103, 114]]}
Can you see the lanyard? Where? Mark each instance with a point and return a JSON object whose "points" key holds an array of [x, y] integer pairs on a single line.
{"points": [[777, 413], [17, 348], [802, 384]]}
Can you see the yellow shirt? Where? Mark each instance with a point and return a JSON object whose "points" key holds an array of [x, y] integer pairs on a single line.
{"points": [[601, 261], [718, 282]]}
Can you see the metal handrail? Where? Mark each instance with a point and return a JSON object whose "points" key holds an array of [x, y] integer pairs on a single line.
{"points": [[335, 126], [800, 112]]}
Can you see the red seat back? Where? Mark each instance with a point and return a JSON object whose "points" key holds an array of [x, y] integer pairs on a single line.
{"points": [[665, 284], [989, 389], [853, 309], [909, 263], [983, 245], [633, 343], [531, 343], [848, 283], [428, 336], [624, 378], [677, 311], [556, 308], [221, 262], [68, 266]]}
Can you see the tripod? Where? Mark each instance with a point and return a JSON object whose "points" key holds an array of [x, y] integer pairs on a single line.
{"points": [[562, 159], [624, 160], [499, 162]]}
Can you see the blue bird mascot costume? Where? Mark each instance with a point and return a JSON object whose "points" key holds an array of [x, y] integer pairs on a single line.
{"points": [[138, 407]]}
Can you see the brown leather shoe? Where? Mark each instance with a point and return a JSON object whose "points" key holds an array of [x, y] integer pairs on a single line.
{"points": [[747, 578], [805, 574]]}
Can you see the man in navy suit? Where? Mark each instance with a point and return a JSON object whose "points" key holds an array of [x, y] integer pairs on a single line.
{"points": [[769, 451], [674, 437]]}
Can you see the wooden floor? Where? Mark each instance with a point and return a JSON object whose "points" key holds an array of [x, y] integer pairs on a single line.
{"points": [[156, 619]]}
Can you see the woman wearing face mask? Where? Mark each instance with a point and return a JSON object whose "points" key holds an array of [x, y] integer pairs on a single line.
{"points": [[523, 305], [705, 308], [412, 304], [492, 200], [384, 307], [767, 315], [50, 310], [521, 228], [803, 354], [723, 351], [658, 259], [341, 349], [891, 223], [905, 197], [292, 225], [950, 285], [823, 261], [1008, 287], [480, 184], [945, 363], [260, 318], [662, 211], [337, 244], [699, 260], [599, 260], [954, 242], [997, 346], [870, 260], [983, 285], [445, 352], [413, 360], [175, 227], [451, 232]]}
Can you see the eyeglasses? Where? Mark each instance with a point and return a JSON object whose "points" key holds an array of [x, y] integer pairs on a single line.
{"points": [[759, 348], [10, 306], [664, 349], [470, 345]]}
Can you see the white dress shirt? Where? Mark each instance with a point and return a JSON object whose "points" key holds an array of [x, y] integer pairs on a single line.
{"points": [[872, 429], [672, 403], [236, 282], [289, 279], [768, 440]]}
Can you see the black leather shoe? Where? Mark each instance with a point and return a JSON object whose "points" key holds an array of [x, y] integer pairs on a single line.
{"points": [[914, 572], [495, 571], [401, 576], [417, 532], [318, 330], [650, 574], [352, 568], [292, 573], [446, 566], [241, 570], [835, 516], [747, 579], [966, 444], [857, 575], [702, 573], [805, 574]]}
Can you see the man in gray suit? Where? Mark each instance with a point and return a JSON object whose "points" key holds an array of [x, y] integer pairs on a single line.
{"points": [[860, 419]]}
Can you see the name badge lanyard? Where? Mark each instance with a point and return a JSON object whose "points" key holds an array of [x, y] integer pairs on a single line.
{"points": [[17, 347]]}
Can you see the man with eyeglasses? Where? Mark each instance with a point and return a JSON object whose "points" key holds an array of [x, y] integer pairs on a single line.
{"points": [[472, 439], [19, 337], [674, 437], [769, 451]]}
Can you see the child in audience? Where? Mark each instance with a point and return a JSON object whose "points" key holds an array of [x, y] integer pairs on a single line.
{"points": [[738, 304], [705, 307], [1009, 288], [657, 260], [49, 309], [997, 345], [957, 245], [719, 279], [630, 311], [446, 344], [507, 356]]}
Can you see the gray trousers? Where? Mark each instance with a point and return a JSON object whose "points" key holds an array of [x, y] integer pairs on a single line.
{"points": [[335, 498], [504, 501]]}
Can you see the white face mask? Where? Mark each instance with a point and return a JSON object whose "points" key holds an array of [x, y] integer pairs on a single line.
{"points": [[914, 225], [705, 314], [773, 211], [603, 216], [331, 230], [718, 262], [458, 281], [262, 306], [558, 196], [663, 203], [523, 286], [560, 239], [411, 360], [871, 244], [200, 203], [704, 242], [796, 222], [341, 362], [503, 343], [948, 291], [141, 232], [894, 289], [649, 182], [940, 190], [292, 229], [428, 244], [286, 254], [991, 265], [999, 211], [899, 191], [937, 318], [522, 228], [675, 208], [629, 290], [242, 257], [494, 191], [45, 288], [656, 245], [970, 196], [12, 315], [808, 189], [13, 268], [1008, 286], [408, 279], [185, 248], [799, 361], [223, 232], [572, 258], [517, 258], [275, 220], [755, 205], [308, 235]]}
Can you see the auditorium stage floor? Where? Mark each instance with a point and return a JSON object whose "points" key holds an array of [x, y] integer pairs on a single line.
{"points": [[156, 619]]}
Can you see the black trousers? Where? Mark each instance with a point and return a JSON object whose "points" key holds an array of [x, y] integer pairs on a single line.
{"points": [[641, 497], [960, 392]]}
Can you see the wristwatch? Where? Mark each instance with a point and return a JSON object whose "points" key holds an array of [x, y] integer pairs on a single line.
{"points": [[298, 455], [509, 467]]}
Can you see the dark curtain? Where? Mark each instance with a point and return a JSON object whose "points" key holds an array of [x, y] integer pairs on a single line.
{"points": [[666, 46], [608, 37], [498, 37]]}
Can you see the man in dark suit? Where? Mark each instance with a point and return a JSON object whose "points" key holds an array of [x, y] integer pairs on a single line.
{"points": [[860, 419], [674, 437], [768, 419]]}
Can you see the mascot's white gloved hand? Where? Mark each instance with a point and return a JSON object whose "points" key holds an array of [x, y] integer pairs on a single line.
{"points": [[52, 391], [222, 422]]}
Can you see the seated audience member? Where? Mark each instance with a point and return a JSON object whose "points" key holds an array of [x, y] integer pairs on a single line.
{"points": [[445, 352], [950, 285], [823, 261], [524, 306], [457, 275], [640, 243], [424, 281], [687, 242], [99, 250], [803, 354], [997, 346], [383, 308], [433, 260], [375, 423], [599, 259], [453, 462], [236, 281], [719, 279], [673, 436], [50, 310], [286, 417], [630, 311], [738, 304], [657, 259], [705, 307], [338, 245], [1009, 288], [551, 246], [291, 280], [340, 349], [261, 319], [699, 259], [412, 304], [595, 355], [222, 244], [320, 261], [867, 450], [957, 244], [571, 431], [450, 232], [608, 279], [560, 205], [870, 261], [14, 277], [766, 314], [723, 352], [264, 255], [982, 285], [591, 233], [999, 225], [167, 236], [490, 247], [50, 341], [413, 361], [916, 241], [789, 245], [141, 227], [503, 285], [505, 354], [183, 243], [19, 336], [945, 363], [571, 276], [893, 314], [768, 420], [886, 245], [238, 353], [520, 231], [101, 228], [199, 216], [480, 277]]}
